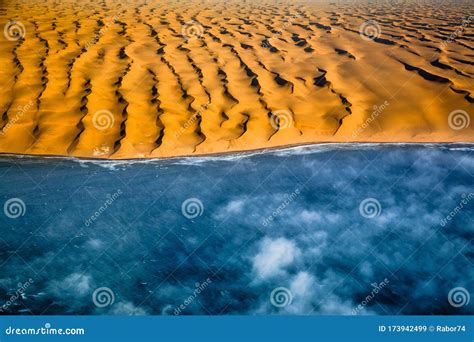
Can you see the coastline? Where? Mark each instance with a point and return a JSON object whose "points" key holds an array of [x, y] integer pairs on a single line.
{"points": [[243, 153]]}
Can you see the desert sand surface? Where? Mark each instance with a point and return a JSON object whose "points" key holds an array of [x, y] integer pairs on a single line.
{"points": [[147, 78]]}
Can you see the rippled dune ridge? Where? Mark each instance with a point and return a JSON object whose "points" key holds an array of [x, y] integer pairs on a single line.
{"points": [[134, 79]]}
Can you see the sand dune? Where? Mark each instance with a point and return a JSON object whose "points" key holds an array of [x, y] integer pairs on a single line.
{"points": [[134, 79]]}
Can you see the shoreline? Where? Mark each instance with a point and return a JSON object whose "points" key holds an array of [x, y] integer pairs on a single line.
{"points": [[242, 153]]}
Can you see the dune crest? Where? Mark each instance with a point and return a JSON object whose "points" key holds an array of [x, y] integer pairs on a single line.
{"points": [[145, 79]]}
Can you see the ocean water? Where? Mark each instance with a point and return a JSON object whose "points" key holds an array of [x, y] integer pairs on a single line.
{"points": [[324, 229]]}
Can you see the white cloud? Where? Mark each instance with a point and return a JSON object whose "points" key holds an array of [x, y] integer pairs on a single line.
{"points": [[274, 256], [310, 216], [78, 284], [302, 290], [231, 208]]}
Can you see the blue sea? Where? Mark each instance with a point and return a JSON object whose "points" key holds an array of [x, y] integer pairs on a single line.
{"points": [[332, 229]]}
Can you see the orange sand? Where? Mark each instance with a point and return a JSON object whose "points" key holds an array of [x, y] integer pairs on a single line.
{"points": [[118, 79]]}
